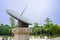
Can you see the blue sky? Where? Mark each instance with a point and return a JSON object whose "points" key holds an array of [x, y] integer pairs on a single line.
{"points": [[37, 10]]}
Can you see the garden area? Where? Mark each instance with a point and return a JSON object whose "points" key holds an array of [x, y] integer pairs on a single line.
{"points": [[49, 29]]}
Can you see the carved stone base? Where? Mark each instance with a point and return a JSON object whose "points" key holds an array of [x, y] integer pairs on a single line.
{"points": [[21, 33]]}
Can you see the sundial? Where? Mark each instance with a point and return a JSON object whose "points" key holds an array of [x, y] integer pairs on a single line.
{"points": [[22, 31], [22, 21]]}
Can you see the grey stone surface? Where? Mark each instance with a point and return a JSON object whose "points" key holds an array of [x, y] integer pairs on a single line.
{"points": [[18, 16], [21, 33]]}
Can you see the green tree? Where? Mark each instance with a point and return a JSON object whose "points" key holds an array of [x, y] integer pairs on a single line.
{"points": [[51, 28], [48, 21], [36, 29], [12, 21], [48, 26], [5, 30], [57, 30]]}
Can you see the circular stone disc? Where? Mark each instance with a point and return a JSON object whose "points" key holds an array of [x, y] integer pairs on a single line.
{"points": [[18, 16]]}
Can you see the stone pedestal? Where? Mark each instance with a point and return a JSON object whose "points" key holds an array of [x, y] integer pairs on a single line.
{"points": [[21, 33]]}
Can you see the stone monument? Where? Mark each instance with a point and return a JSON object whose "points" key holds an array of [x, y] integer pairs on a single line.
{"points": [[22, 31]]}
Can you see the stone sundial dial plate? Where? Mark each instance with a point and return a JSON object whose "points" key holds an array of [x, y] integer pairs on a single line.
{"points": [[18, 16]]}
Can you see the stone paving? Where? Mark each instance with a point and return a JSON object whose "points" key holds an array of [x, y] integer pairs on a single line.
{"points": [[39, 38], [55, 39], [45, 38]]}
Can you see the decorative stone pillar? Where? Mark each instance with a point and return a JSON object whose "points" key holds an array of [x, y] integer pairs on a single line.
{"points": [[21, 33]]}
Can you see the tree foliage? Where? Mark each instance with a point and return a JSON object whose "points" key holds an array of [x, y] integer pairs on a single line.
{"points": [[36, 29], [12, 22], [48, 29], [5, 30]]}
